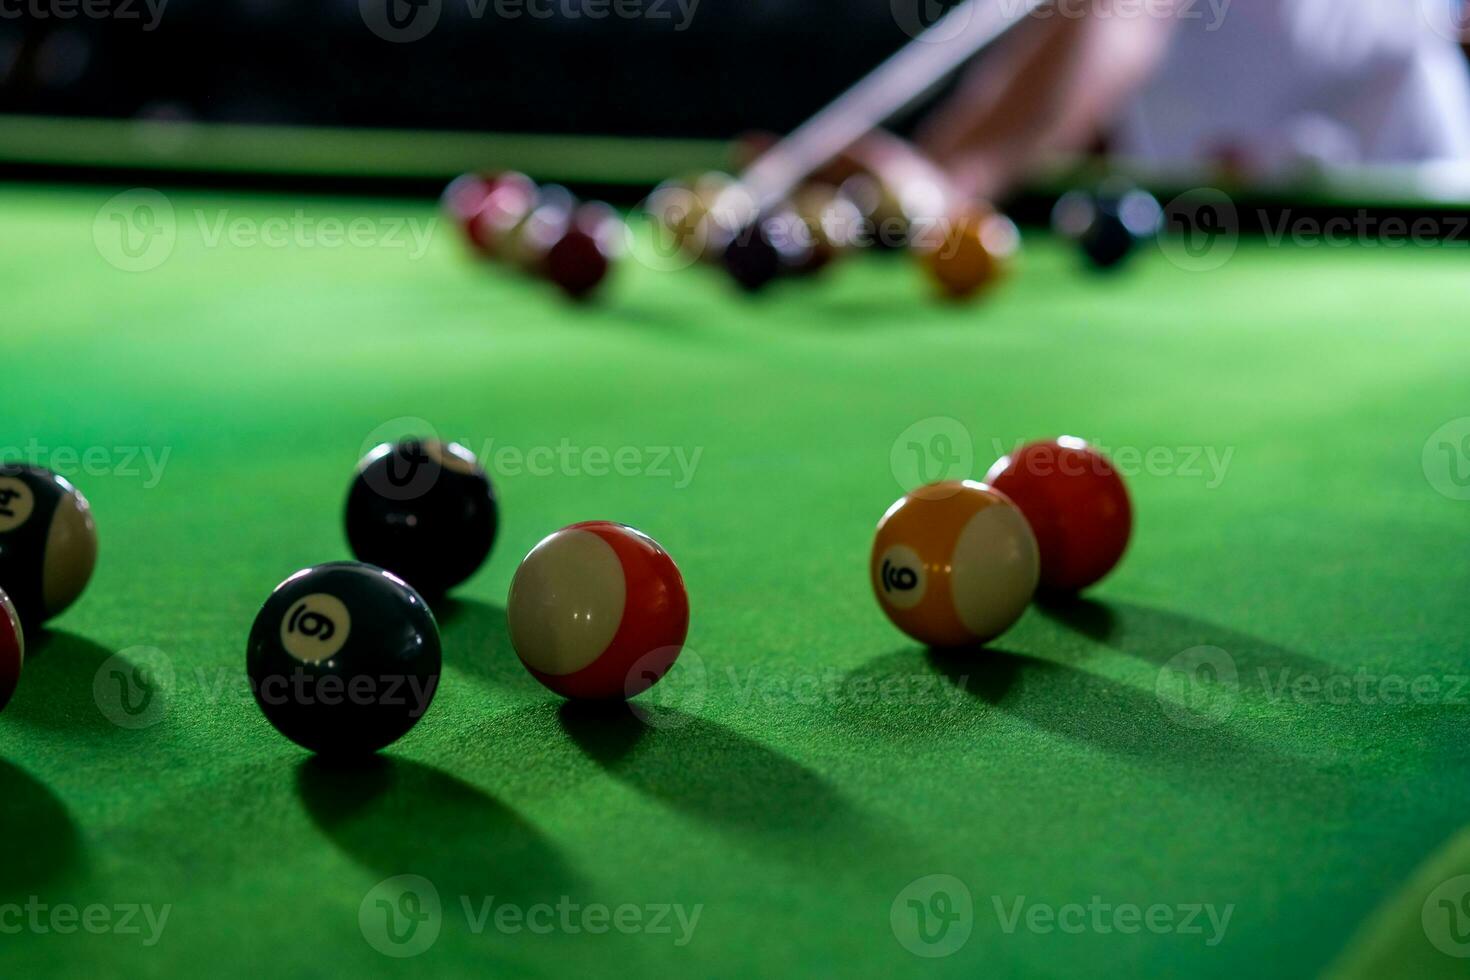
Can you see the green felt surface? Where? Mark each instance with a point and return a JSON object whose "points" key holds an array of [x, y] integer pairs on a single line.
{"points": [[807, 763]]}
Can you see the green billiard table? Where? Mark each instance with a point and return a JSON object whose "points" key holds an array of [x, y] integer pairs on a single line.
{"points": [[1243, 752]]}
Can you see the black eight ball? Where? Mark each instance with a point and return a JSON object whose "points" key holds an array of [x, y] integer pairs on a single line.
{"points": [[424, 510], [344, 658]]}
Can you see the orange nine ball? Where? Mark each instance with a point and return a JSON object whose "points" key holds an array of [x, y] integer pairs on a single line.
{"points": [[954, 564], [967, 252]]}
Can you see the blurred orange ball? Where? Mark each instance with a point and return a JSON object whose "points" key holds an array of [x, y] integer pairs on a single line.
{"points": [[967, 252]]}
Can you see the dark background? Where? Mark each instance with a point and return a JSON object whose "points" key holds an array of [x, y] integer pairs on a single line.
{"points": [[738, 64]]}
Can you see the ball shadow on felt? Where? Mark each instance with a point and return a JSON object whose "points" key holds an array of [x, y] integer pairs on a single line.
{"points": [[713, 773], [45, 844], [59, 688], [395, 817], [477, 641]]}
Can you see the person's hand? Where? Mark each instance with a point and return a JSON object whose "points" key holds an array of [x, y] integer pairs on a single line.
{"points": [[1051, 87]]}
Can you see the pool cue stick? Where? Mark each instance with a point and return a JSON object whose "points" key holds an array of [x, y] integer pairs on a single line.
{"points": [[897, 83]]}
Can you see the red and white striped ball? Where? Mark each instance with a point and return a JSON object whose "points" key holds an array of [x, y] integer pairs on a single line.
{"points": [[598, 611], [12, 649]]}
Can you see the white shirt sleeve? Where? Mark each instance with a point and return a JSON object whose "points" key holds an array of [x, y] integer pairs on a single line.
{"points": [[1283, 82]]}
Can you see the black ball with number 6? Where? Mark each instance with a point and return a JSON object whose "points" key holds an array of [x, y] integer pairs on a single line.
{"points": [[344, 658], [424, 510]]}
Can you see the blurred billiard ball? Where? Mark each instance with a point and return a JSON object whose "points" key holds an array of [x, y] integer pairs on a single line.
{"points": [[344, 658], [1077, 505], [751, 257], [12, 649], [967, 252], [507, 203], [698, 216], [884, 223], [953, 564], [1109, 224], [832, 223], [772, 244], [463, 199], [424, 510], [527, 244], [48, 542], [583, 256], [670, 209], [597, 611]]}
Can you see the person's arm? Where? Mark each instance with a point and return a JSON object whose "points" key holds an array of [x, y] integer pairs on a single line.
{"points": [[1053, 87]]}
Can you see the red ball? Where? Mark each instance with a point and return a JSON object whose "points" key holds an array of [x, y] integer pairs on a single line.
{"points": [[597, 611], [508, 201], [526, 245], [12, 649], [463, 198], [581, 259], [1077, 505]]}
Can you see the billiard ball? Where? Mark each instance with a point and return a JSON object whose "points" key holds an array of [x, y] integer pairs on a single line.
{"points": [[895, 188], [424, 510], [719, 208], [597, 611], [581, 259], [865, 194], [463, 199], [12, 649], [344, 658], [48, 542], [831, 222], [506, 204], [528, 243], [967, 252], [1073, 214], [1077, 505], [726, 208], [701, 215], [773, 244], [751, 257], [1109, 224], [885, 215], [667, 208], [954, 564]]}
